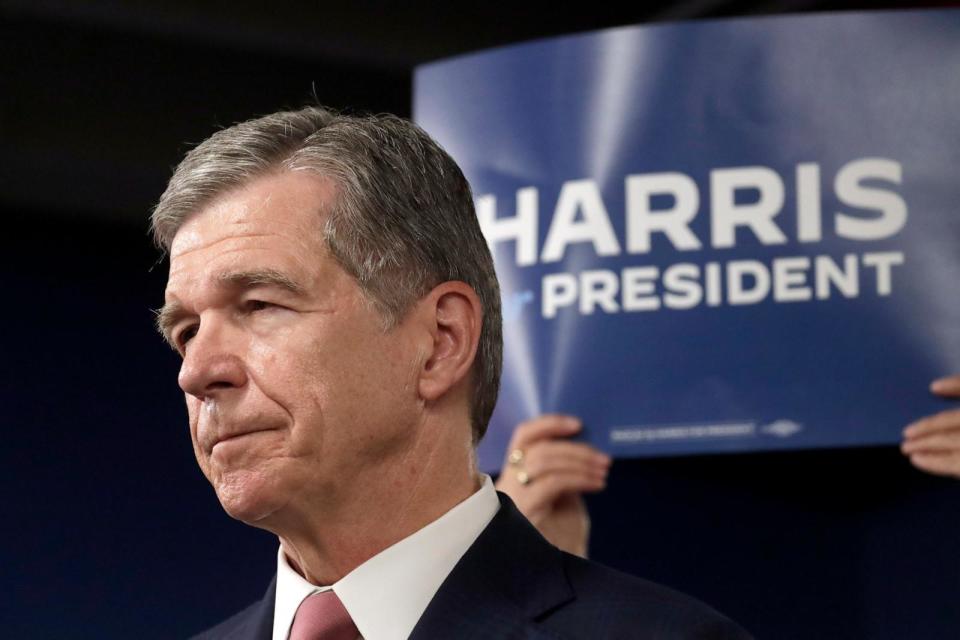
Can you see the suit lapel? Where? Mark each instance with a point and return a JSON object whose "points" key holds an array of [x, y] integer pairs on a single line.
{"points": [[508, 577]]}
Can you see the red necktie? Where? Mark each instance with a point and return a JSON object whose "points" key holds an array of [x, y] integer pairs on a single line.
{"points": [[323, 617]]}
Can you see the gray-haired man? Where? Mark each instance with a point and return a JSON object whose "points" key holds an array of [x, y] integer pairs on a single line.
{"points": [[338, 315]]}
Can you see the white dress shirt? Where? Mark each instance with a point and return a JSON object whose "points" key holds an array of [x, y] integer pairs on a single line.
{"points": [[387, 594]]}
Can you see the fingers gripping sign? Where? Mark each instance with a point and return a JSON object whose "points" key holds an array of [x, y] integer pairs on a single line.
{"points": [[933, 443], [546, 474]]}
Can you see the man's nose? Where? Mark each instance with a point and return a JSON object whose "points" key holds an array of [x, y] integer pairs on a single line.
{"points": [[212, 362]]}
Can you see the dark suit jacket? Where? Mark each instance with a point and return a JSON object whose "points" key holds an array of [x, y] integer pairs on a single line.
{"points": [[513, 584]]}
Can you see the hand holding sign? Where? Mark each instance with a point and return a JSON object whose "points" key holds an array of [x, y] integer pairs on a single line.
{"points": [[933, 443], [545, 475]]}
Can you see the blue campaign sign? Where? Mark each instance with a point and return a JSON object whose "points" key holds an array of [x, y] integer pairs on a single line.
{"points": [[718, 236]]}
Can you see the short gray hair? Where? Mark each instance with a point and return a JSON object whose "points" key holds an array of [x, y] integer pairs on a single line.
{"points": [[403, 220]]}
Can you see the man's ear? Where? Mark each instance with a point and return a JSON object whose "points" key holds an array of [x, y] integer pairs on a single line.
{"points": [[454, 316]]}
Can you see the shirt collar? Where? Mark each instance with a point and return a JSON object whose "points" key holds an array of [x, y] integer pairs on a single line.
{"points": [[387, 594]]}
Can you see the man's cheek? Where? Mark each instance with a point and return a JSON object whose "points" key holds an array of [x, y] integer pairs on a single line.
{"points": [[193, 410], [193, 413]]}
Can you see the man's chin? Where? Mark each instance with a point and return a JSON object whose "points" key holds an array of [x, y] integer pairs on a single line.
{"points": [[248, 496]]}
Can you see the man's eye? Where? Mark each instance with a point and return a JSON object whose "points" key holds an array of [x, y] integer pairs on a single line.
{"points": [[185, 336], [256, 305]]}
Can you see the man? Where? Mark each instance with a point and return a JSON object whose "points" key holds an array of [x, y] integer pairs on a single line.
{"points": [[337, 312]]}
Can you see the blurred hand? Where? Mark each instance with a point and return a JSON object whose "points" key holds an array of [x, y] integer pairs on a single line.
{"points": [[933, 443], [545, 475]]}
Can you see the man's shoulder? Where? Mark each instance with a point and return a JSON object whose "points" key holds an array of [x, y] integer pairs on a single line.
{"points": [[527, 588], [615, 603]]}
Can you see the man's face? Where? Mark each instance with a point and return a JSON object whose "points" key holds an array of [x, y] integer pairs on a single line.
{"points": [[295, 392]]}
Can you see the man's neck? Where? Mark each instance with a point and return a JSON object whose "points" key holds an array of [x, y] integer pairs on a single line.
{"points": [[324, 544]]}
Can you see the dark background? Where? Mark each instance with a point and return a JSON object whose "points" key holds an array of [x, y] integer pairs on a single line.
{"points": [[109, 529]]}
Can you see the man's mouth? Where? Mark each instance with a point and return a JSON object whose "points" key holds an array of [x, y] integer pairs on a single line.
{"points": [[230, 438]]}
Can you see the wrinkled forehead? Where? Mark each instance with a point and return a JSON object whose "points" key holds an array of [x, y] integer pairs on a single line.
{"points": [[289, 204], [273, 224]]}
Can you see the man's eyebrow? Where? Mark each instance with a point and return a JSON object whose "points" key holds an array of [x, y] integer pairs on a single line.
{"points": [[167, 316], [259, 278]]}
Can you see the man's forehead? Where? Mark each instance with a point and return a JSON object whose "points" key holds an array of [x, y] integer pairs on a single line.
{"points": [[247, 261], [289, 204]]}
